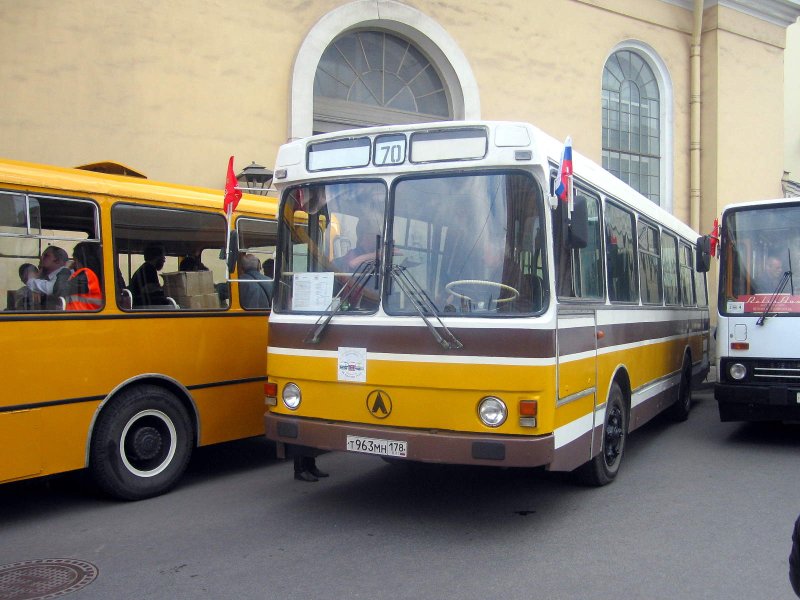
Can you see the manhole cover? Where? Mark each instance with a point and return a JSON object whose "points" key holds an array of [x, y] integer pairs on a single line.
{"points": [[44, 578]]}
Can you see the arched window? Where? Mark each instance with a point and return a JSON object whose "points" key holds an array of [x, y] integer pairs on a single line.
{"points": [[376, 78], [632, 137]]}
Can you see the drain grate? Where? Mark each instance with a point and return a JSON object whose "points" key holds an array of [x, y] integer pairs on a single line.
{"points": [[44, 578]]}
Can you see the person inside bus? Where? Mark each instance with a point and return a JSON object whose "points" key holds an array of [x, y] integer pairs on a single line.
{"points": [[192, 262], [145, 286], [768, 279], [367, 233], [83, 287], [52, 278], [269, 268], [257, 294], [24, 298]]}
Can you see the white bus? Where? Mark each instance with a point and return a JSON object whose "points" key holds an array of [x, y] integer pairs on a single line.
{"points": [[435, 303], [758, 356]]}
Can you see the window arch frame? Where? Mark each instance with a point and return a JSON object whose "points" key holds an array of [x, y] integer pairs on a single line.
{"points": [[406, 22], [666, 113]]}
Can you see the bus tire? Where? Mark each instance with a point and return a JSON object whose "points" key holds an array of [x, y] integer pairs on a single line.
{"points": [[679, 411], [603, 468], [141, 444]]}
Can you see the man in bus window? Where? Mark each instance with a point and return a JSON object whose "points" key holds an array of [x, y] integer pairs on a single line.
{"points": [[257, 294], [767, 280], [145, 286], [52, 278]]}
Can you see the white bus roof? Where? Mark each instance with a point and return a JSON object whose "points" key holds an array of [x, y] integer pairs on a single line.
{"points": [[505, 138]]}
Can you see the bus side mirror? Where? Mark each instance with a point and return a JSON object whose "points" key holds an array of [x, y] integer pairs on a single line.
{"points": [[703, 254], [233, 251], [578, 226]]}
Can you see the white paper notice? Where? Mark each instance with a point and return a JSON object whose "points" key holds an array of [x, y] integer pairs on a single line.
{"points": [[312, 291], [352, 364]]}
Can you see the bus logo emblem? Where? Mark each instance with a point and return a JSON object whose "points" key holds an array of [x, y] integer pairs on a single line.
{"points": [[379, 404]]}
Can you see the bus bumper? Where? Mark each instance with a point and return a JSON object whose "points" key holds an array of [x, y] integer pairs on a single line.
{"points": [[423, 446], [757, 403]]}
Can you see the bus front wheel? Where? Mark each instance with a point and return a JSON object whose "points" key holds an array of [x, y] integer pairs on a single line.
{"points": [[142, 443], [603, 468]]}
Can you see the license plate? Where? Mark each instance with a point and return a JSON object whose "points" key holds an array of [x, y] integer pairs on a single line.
{"points": [[375, 446]]}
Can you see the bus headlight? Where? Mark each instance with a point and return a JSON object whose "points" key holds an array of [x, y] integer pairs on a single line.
{"points": [[737, 371], [492, 411], [291, 396]]}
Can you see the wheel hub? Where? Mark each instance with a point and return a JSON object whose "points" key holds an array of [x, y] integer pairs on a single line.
{"points": [[147, 443]]}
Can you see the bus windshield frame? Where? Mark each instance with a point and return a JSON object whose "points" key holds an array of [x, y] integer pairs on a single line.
{"points": [[436, 244], [760, 247]]}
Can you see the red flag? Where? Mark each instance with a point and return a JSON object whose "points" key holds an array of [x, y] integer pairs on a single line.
{"points": [[232, 195], [715, 237]]}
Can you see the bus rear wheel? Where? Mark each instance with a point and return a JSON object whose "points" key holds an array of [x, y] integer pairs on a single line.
{"points": [[142, 443], [603, 468], [680, 410]]}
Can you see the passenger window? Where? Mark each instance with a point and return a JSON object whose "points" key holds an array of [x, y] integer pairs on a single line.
{"points": [[649, 264], [169, 259], [256, 264], [669, 256], [580, 271], [40, 238], [687, 276], [620, 257]]}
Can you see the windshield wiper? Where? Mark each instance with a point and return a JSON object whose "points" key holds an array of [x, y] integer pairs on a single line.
{"points": [[787, 276], [423, 304], [354, 285]]}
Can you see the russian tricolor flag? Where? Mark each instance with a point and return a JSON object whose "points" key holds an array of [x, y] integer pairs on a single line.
{"points": [[563, 182]]}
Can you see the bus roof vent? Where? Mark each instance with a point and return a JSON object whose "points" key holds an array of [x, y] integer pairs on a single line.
{"points": [[112, 168]]}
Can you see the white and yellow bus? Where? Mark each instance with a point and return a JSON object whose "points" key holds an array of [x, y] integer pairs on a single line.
{"points": [[442, 306], [126, 389]]}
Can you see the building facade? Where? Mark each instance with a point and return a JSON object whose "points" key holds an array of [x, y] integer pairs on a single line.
{"points": [[685, 103]]}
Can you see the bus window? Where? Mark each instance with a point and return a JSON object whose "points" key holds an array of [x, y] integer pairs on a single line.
{"points": [[620, 258], [687, 275], [256, 262], [332, 235], [42, 232], [580, 271], [649, 264], [669, 254], [471, 244], [151, 243]]}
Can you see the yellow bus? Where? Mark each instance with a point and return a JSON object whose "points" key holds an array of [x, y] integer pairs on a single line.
{"points": [[459, 313], [103, 377]]}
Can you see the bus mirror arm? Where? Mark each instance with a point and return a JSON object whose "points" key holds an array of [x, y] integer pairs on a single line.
{"points": [[232, 252]]}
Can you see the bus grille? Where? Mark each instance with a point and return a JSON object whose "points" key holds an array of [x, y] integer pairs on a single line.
{"points": [[777, 371]]}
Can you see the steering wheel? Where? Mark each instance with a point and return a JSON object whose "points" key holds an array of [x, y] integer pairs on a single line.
{"points": [[480, 282]]}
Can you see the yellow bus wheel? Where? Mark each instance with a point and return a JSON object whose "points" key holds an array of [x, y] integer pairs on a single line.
{"points": [[141, 444]]}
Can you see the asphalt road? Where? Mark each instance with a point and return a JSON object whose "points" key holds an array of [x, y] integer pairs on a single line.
{"points": [[701, 509]]}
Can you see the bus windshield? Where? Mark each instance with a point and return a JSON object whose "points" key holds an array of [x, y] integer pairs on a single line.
{"points": [[443, 245], [760, 247]]}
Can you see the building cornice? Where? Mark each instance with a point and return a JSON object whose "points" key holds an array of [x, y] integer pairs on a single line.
{"points": [[777, 12]]}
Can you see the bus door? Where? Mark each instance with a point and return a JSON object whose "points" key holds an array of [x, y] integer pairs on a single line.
{"points": [[576, 382]]}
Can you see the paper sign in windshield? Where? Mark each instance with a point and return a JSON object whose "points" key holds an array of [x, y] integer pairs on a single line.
{"points": [[312, 291]]}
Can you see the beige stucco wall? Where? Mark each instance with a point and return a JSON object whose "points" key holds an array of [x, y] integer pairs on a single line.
{"points": [[792, 94], [174, 88]]}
